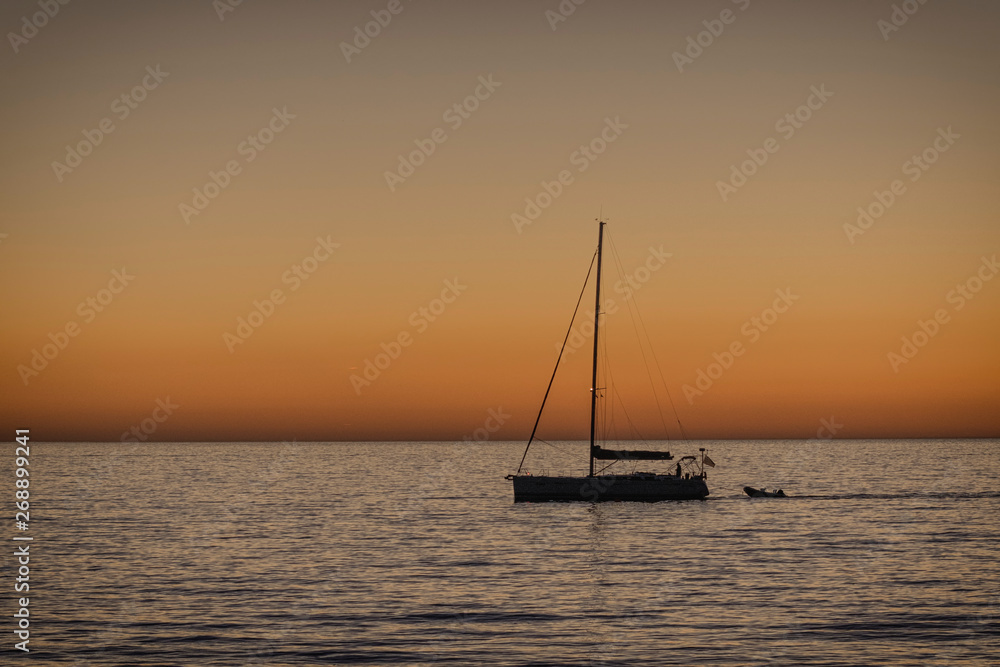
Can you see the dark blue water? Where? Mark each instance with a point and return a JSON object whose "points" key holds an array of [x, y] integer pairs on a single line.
{"points": [[406, 553]]}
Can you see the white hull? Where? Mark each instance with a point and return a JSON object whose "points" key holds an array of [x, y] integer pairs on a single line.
{"points": [[642, 487]]}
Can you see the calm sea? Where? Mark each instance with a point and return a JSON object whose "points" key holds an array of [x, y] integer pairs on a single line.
{"points": [[415, 554]]}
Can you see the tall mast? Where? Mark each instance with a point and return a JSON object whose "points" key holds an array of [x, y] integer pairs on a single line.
{"points": [[597, 323]]}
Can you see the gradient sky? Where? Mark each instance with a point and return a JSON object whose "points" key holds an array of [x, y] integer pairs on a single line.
{"points": [[323, 176]]}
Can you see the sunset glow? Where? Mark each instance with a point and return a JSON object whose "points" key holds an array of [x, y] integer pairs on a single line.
{"points": [[241, 215]]}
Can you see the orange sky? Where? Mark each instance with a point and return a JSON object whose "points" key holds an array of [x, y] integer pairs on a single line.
{"points": [[265, 99]]}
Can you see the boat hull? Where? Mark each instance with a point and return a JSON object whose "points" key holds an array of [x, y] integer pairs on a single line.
{"points": [[643, 488], [762, 493]]}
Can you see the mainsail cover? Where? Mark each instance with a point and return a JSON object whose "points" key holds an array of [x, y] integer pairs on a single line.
{"points": [[602, 454]]}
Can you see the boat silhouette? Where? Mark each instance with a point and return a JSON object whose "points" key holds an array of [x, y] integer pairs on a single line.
{"points": [[687, 482]]}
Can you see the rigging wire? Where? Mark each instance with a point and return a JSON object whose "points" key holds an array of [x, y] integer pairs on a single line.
{"points": [[615, 393], [662, 379], [656, 362], [606, 467], [558, 449], [608, 380], [611, 428], [629, 303], [628, 419], [607, 423], [558, 359]]}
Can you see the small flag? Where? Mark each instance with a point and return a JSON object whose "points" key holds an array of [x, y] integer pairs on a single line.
{"points": [[709, 462]]}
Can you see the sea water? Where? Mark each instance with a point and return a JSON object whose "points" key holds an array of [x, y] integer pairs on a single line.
{"points": [[885, 553]]}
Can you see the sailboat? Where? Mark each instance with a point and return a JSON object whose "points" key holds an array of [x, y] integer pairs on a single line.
{"points": [[686, 482]]}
